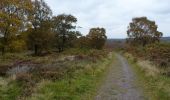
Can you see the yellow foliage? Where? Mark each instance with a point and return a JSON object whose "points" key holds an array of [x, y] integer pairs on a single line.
{"points": [[17, 46]]}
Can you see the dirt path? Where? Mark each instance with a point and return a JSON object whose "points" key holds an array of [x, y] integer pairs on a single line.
{"points": [[120, 83]]}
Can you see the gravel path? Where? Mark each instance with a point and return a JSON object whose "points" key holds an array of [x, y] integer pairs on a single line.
{"points": [[119, 83]]}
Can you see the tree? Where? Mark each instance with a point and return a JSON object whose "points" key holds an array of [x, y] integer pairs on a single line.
{"points": [[63, 24], [97, 38], [41, 38], [72, 38], [142, 31], [40, 33], [13, 15], [82, 42]]}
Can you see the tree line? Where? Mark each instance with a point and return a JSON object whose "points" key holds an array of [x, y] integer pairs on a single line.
{"points": [[30, 25]]}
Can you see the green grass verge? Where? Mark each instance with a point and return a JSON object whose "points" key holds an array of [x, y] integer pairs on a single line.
{"points": [[155, 87], [82, 86], [9, 91]]}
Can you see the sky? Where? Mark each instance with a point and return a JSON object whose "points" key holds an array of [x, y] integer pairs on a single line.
{"points": [[113, 15]]}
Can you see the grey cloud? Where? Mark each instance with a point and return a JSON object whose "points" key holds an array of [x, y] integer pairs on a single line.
{"points": [[114, 15]]}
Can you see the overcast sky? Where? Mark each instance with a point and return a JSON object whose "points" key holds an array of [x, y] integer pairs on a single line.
{"points": [[114, 15]]}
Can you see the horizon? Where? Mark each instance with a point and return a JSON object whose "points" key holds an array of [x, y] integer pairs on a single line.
{"points": [[126, 37]]}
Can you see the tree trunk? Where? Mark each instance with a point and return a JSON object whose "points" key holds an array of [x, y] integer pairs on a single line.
{"points": [[4, 45], [3, 50], [63, 41], [36, 49]]}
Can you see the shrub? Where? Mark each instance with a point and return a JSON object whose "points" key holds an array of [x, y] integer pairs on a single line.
{"points": [[17, 46], [23, 77], [159, 53]]}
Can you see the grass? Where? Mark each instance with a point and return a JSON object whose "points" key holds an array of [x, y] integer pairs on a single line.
{"points": [[81, 87], [9, 90], [156, 86], [78, 80]]}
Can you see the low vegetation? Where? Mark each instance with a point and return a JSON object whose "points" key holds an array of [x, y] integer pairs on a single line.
{"points": [[69, 76], [81, 86], [156, 86], [157, 54]]}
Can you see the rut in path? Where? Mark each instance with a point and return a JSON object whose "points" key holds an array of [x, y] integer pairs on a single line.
{"points": [[119, 83]]}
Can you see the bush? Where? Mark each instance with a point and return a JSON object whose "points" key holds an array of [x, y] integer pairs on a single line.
{"points": [[23, 77], [159, 53], [17, 46]]}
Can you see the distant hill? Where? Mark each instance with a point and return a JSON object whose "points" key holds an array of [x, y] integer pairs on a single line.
{"points": [[117, 43], [165, 39]]}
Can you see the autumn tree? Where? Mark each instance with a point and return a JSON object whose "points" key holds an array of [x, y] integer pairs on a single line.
{"points": [[82, 42], [40, 32], [41, 38], [72, 38], [63, 26], [97, 38], [13, 17], [142, 31]]}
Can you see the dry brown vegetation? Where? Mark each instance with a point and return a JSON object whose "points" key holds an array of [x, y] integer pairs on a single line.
{"points": [[157, 53], [28, 73]]}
